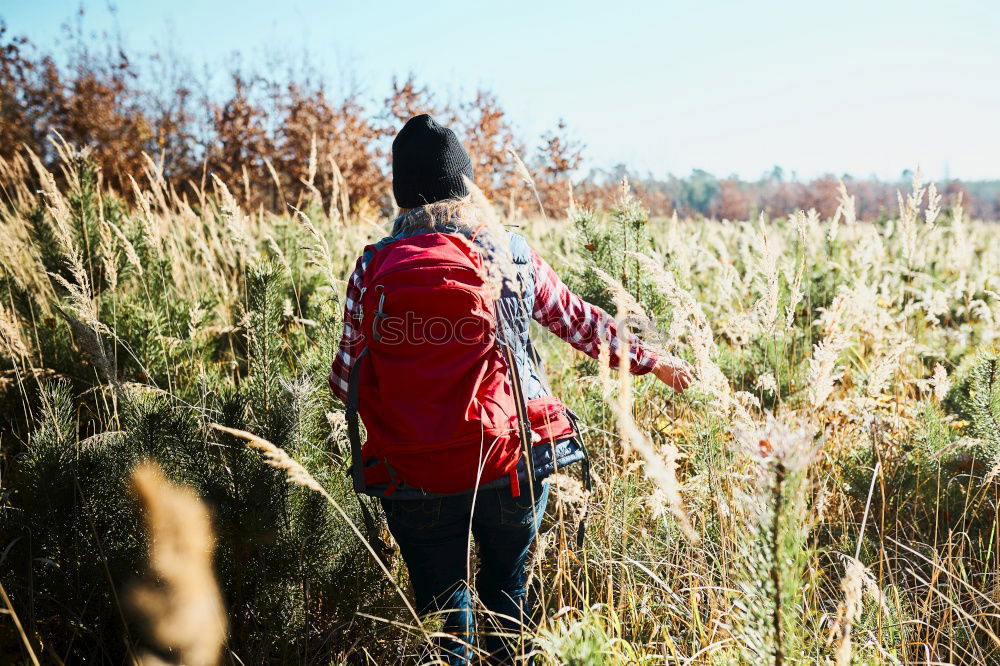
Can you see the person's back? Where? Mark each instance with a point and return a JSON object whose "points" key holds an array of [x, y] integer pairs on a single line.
{"points": [[436, 358]]}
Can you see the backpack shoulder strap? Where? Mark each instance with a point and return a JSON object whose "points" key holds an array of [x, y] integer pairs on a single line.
{"points": [[521, 407], [379, 546], [353, 430], [372, 249]]}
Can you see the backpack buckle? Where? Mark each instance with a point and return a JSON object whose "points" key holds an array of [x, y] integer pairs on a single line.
{"points": [[378, 313], [361, 304]]}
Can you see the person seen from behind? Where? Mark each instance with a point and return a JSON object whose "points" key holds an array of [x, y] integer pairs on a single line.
{"points": [[462, 430]]}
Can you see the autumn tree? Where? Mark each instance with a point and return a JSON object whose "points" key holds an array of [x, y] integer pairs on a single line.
{"points": [[407, 99], [559, 157], [730, 202], [486, 135]]}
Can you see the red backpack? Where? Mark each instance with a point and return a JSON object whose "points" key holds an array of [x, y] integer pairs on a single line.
{"points": [[432, 384]]}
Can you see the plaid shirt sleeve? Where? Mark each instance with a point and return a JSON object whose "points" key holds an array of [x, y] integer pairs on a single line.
{"points": [[581, 324], [352, 340]]}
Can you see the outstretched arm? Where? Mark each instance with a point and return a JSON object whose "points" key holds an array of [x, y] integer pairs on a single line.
{"points": [[581, 324], [351, 342], [586, 326]]}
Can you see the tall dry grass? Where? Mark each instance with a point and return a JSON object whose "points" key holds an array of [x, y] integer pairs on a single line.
{"points": [[178, 604], [824, 494]]}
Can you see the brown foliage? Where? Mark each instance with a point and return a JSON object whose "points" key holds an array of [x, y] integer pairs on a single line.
{"points": [[242, 141], [486, 136], [19, 91], [356, 153], [407, 99], [100, 110], [96, 106], [280, 143], [731, 203], [823, 195], [314, 131], [558, 158]]}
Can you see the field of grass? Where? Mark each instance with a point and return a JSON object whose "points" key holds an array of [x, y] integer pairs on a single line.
{"points": [[825, 493]]}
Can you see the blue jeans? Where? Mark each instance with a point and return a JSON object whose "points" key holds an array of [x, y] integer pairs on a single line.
{"points": [[433, 537]]}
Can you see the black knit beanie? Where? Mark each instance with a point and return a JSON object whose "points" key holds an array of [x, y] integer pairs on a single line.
{"points": [[428, 164]]}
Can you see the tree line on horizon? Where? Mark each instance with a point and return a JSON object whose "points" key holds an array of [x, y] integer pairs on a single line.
{"points": [[274, 138]]}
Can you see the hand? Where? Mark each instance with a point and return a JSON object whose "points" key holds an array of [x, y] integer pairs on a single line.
{"points": [[674, 372]]}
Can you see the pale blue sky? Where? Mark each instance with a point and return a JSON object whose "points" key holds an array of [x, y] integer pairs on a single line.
{"points": [[853, 86]]}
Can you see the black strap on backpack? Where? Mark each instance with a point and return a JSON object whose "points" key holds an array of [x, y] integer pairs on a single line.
{"points": [[536, 360], [522, 418], [588, 485], [375, 539], [523, 424], [353, 431]]}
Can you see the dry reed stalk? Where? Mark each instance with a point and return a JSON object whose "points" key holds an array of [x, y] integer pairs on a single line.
{"points": [[940, 382], [159, 188], [17, 625], [320, 249], [571, 201], [61, 224], [568, 495], [823, 369], [933, 208], [10, 334], [151, 225], [15, 177], [795, 289], [846, 208], [960, 251], [489, 233], [308, 182], [340, 203], [767, 307], [83, 316], [525, 175], [909, 211], [88, 338], [885, 366], [848, 611], [689, 321], [282, 205], [236, 221], [660, 468], [130, 253], [178, 604], [311, 174]]}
